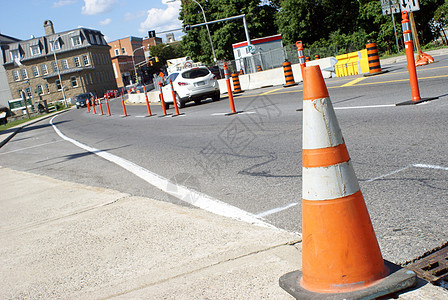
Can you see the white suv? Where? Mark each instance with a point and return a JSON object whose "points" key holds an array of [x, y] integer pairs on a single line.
{"points": [[193, 84]]}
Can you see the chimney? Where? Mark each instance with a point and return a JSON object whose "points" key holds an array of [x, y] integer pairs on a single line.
{"points": [[48, 26]]}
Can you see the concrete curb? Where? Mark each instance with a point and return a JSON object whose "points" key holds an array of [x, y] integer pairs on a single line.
{"points": [[16, 129]]}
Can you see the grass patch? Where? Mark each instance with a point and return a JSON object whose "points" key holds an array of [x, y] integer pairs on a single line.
{"points": [[18, 122]]}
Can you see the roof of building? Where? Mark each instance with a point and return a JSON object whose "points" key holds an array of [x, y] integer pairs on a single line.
{"points": [[42, 46]]}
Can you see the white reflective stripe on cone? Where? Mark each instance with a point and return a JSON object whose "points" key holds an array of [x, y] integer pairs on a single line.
{"points": [[326, 183], [320, 126]]}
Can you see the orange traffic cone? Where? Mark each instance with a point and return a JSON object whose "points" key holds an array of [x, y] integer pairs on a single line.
{"points": [[427, 56], [340, 254]]}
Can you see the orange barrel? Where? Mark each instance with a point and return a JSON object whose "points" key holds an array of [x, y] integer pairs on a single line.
{"points": [[259, 69], [307, 58], [317, 56], [236, 84], [289, 77], [373, 58]]}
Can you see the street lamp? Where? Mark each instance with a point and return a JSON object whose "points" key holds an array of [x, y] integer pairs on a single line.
{"points": [[57, 67], [206, 25], [133, 61]]}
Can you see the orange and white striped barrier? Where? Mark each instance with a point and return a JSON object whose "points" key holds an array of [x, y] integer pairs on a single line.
{"points": [[101, 107], [107, 105], [301, 56], [176, 108], [409, 47], [162, 100], [341, 257], [147, 102], [93, 105]]}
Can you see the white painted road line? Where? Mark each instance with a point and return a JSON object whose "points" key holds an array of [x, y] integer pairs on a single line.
{"points": [[26, 148], [367, 106], [276, 210], [424, 166], [183, 193]]}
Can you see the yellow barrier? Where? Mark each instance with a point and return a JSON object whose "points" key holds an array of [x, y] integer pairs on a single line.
{"points": [[352, 63]]}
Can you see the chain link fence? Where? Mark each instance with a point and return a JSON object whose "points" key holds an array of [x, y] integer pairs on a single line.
{"points": [[274, 58]]}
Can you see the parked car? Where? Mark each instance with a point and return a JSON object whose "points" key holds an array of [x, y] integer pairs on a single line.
{"points": [[193, 84], [110, 94], [81, 99]]}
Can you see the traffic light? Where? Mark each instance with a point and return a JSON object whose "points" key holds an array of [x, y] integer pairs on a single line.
{"points": [[156, 59], [187, 27], [151, 33]]}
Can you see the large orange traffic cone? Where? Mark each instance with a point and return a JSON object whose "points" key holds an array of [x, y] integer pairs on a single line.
{"points": [[340, 253]]}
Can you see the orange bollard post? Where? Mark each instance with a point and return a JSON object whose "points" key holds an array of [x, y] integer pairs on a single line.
{"points": [[316, 57], [125, 114], [101, 107], [88, 105], [162, 100], [229, 90], [301, 56], [107, 105], [176, 108], [289, 77], [411, 63], [259, 69], [93, 105], [147, 102], [307, 58], [341, 258], [236, 84]]}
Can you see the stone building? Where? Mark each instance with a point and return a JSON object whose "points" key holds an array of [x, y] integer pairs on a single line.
{"points": [[5, 92], [60, 64]]}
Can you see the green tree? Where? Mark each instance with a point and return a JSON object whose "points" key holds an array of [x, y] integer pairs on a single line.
{"points": [[260, 21]]}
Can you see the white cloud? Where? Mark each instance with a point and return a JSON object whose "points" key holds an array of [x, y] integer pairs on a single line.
{"points": [[94, 7], [63, 3], [105, 22], [131, 17], [162, 19]]}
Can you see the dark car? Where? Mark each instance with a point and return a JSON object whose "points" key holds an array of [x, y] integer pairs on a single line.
{"points": [[81, 99]]}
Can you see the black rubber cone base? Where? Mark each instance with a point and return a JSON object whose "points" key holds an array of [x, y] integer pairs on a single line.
{"points": [[398, 279], [291, 84], [412, 102], [376, 73], [163, 116], [235, 113]]}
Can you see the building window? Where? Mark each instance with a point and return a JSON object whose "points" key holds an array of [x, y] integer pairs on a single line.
{"points": [[117, 52], [74, 81], [85, 60], [55, 45], [58, 85], [20, 93], [98, 40], [123, 50], [28, 91], [54, 66], [35, 50], [35, 71], [76, 41], [92, 40], [24, 73], [90, 76], [15, 75], [64, 64], [77, 62], [15, 54], [44, 69], [39, 89], [47, 88]]}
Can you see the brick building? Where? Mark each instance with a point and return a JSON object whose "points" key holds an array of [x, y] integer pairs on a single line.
{"points": [[124, 52], [82, 62]]}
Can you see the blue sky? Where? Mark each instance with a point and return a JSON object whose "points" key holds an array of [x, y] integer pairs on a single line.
{"points": [[114, 18]]}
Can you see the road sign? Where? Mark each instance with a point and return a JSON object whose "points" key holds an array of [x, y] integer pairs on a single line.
{"points": [[251, 49], [390, 6], [409, 5]]}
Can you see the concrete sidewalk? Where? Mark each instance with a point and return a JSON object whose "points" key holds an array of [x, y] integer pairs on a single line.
{"points": [[66, 240]]}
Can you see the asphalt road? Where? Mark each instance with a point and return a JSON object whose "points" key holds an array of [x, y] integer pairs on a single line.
{"points": [[252, 160]]}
